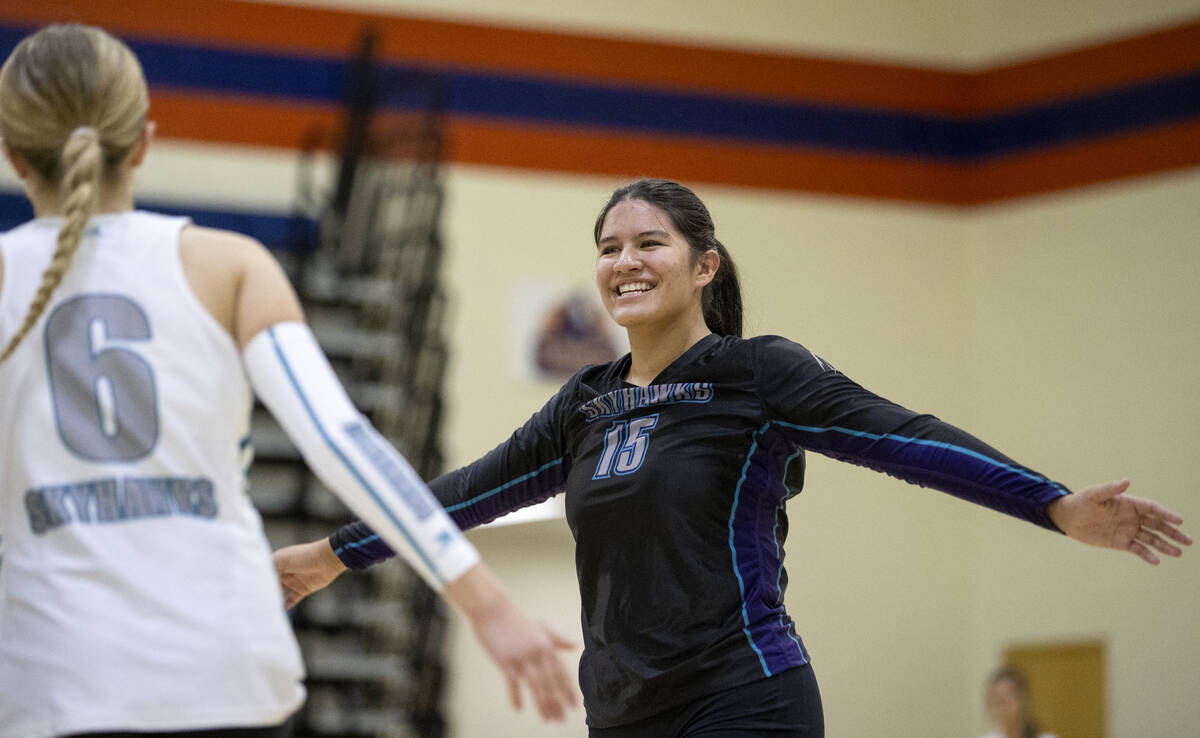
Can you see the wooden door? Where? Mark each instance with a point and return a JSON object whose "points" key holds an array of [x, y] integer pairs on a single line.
{"points": [[1066, 683]]}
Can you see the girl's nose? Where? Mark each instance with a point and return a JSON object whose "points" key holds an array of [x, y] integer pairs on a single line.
{"points": [[628, 260]]}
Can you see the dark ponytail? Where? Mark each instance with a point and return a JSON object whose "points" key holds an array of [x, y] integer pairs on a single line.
{"points": [[721, 300], [722, 297]]}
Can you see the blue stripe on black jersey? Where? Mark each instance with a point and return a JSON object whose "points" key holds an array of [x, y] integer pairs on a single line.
{"points": [[963, 472], [358, 546], [383, 506], [757, 506], [543, 482], [737, 566], [780, 584]]}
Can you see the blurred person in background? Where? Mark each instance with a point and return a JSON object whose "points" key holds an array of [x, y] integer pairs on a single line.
{"points": [[1009, 706]]}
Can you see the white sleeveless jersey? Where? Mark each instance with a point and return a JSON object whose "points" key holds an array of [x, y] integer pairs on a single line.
{"points": [[136, 587]]}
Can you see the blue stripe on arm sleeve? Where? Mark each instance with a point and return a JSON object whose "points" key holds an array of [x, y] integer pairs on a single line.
{"points": [[530, 467], [819, 408], [524, 490], [359, 547], [980, 474]]}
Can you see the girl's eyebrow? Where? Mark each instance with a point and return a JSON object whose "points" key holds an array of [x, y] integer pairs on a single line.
{"points": [[643, 234]]}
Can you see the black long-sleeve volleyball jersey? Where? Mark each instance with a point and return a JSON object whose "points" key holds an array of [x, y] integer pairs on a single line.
{"points": [[676, 492]]}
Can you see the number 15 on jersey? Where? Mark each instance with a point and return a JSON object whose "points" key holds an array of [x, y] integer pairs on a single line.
{"points": [[625, 445]]}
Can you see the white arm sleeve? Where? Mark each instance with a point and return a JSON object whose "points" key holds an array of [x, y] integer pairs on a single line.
{"points": [[293, 379]]}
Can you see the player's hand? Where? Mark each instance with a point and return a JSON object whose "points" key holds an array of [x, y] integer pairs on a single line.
{"points": [[306, 568], [1105, 516], [526, 651]]}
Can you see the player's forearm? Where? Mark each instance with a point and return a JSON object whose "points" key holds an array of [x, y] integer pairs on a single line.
{"points": [[513, 475], [477, 594], [296, 383]]}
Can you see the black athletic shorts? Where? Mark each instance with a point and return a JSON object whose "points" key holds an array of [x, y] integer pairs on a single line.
{"points": [[786, 704]]}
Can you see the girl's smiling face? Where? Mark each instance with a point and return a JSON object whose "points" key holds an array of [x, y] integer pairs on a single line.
{"points": [[646, 270]]}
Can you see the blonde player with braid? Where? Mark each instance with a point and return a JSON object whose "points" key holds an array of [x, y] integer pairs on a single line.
{"points": [[136, 591]]}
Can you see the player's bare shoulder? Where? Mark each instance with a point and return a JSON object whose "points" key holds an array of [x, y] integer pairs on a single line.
{"points": [[215, 246], [215, 263]]}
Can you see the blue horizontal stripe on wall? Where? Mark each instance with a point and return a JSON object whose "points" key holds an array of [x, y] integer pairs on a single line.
{"points": [[277, 232], [558, 101], [753, 121], [1144, 105]]}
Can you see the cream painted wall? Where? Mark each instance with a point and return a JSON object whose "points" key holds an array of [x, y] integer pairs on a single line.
{"points": [[998, 31], [1084, 354], [917, 31], [208, 175], [968, 33]]}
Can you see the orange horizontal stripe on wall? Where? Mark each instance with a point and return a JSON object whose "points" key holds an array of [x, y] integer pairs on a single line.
{"points": [[250, 122], [500, 48], [1160, 149], [624, 155], [503, 48]]}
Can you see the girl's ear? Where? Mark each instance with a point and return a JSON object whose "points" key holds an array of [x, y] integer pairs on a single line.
{"points": [[138, 154], [707, 266], [18, 163]]}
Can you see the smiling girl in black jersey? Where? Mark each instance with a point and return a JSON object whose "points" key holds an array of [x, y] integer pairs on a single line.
{"points": [[677, 461]]}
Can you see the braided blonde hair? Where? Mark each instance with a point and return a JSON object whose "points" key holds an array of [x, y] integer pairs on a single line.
{"points": [[73, 105]]}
